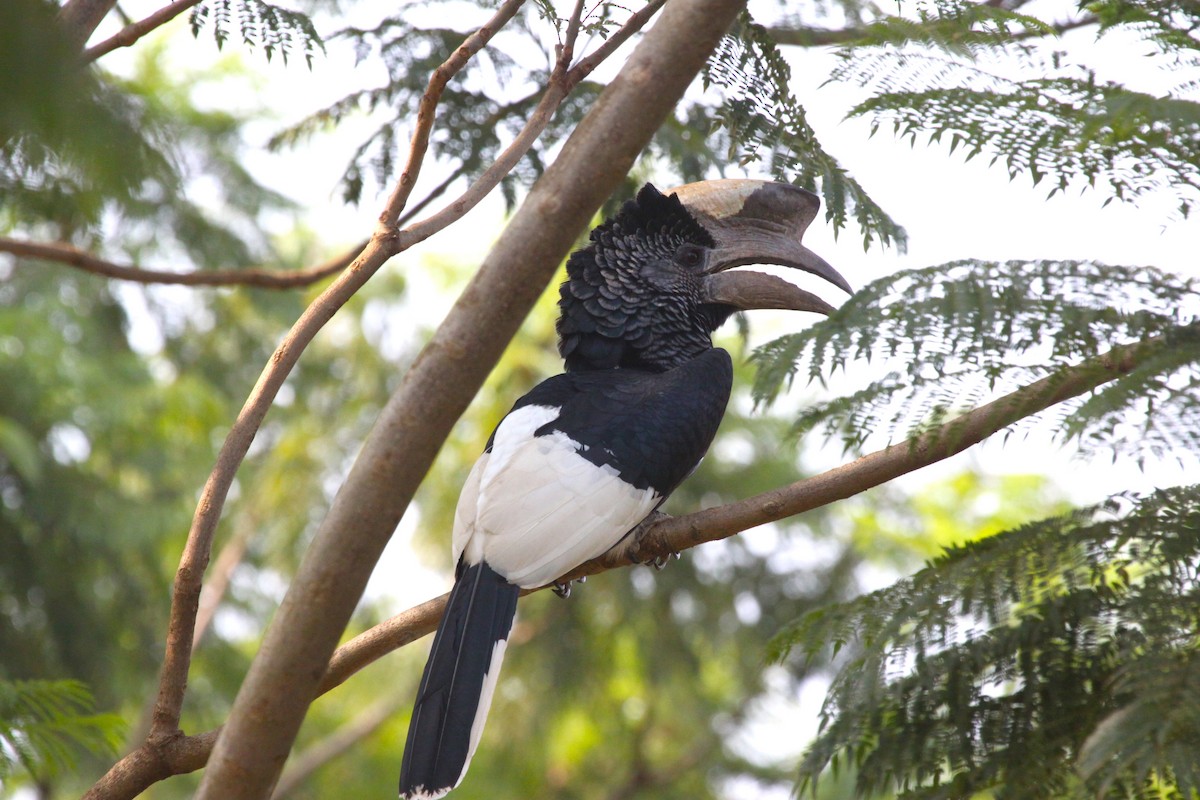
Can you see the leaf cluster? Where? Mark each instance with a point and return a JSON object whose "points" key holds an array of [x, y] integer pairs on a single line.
{"points": [[763, 121], [44, 723], [475, 120], [261, 25], [947, 76], [952, 334], [70, 141], [1058, 659], [1168, 25], [749, 112]]}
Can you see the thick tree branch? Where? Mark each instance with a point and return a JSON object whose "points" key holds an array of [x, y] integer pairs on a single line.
{"points": [[259, 278], [823, 37], [296, 649], [665, 535], [312, 758], [185, 599], [80, 17], [134, 31]]}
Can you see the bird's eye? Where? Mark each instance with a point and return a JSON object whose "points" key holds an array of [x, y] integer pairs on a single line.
{"points": [[689, 255]]}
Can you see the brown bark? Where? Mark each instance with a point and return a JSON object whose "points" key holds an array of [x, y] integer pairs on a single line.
{"points": [[304, 764], [80, 17], [136, 30], [260, 278]]}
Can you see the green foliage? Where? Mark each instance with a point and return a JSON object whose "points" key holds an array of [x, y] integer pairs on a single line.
{"points": [[965, 29], [753, 118], [261, 24], [1167, 24], [948, 76], [954, 333], [1076, 131], [70, 142], [1058, 659], [763, 120], [43, 724], [72, 168]]}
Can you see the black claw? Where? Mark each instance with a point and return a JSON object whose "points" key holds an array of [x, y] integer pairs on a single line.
{"points": [[563, 589]]}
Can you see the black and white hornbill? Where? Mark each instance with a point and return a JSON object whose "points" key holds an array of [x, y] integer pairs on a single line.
{"points": [[587, 455]]}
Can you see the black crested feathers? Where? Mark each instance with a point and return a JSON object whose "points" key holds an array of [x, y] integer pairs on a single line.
{"points": [[611, 313]]}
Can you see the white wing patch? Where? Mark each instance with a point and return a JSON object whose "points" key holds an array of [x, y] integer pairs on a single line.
{"points": [[534, 508]]}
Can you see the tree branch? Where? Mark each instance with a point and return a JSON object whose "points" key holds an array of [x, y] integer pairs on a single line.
{"points": [[823, 37], [672, 535], [80, 17], [322, 752], [665, 535], [131, 33], [428, 106], [260, 278], [71, 256]]}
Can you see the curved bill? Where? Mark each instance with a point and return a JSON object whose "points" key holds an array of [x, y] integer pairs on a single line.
{"points": [[758, 222], [749, 290]]}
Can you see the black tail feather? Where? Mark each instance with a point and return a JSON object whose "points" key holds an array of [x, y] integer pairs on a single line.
{"points": [[461, 665]]}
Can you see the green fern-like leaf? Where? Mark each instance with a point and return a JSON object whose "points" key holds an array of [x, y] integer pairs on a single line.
{"points": [[947, 76], [43, 725], [764, 122], [261, 25], [955, 335], [1055, 660], [1158, 728], [1072, 131], [953, 26]]}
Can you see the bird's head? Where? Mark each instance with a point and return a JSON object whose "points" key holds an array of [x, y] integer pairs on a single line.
{"points": [[651, 286]]}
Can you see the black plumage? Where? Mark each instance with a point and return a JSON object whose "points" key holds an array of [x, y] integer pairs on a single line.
{"points": [[586, 455], [634, 298], [652, 427]]}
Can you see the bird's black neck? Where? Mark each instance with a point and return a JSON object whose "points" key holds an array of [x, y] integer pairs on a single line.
{"points": [[655, 349]]}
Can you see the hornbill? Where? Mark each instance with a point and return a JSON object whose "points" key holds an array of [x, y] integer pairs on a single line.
{"points": [[586, 455]]}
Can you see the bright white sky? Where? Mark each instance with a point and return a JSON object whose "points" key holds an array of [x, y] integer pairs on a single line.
{"points": [[951, 210]]}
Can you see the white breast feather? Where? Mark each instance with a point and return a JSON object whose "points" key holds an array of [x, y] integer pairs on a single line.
{"points": [[540, 508]]}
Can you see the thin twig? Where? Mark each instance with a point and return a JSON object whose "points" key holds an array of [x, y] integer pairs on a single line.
{"points": [[428, 107], [131, 33], [562, 81], [260, 278], [185, 597], [305, 763], [632, 25], [567, 53], [229, 558], [72, 256]]}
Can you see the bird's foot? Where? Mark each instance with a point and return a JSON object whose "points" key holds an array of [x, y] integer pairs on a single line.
{"points": [[563, 588], [661, 561]]}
